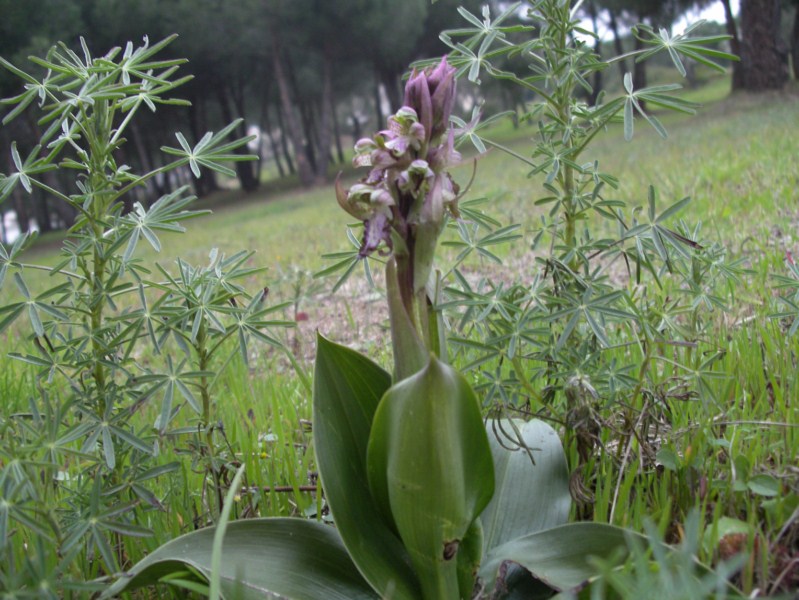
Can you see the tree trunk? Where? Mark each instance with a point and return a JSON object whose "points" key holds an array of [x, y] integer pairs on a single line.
{"points": [[21, 208], [614, 27], [163, 181], [272, 143], [306, 110], [378, 104], [391, 83], [509, 103], [41, 209], [336, 131], [303, 166], [357, 131], [3, 232], [311, 139], [249, 170], [795, 42], [65, 213], [735, 46], [244, 169], [639, 72], [597, 85], [144, 159], [326, 120], [284, 140], [763, 62]]}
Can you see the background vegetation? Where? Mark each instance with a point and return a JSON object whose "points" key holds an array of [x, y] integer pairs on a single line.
{"points": [[309, 77], [723, 440]]}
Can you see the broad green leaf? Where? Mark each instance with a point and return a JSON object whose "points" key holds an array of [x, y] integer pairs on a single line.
{"points": [[430, 466], [215, 583], [559, 556], [347, 391], [261, 558], [532, 481], [764, 485]]}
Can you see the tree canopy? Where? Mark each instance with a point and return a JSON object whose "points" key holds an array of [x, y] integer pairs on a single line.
{"points": [[309, 75]]}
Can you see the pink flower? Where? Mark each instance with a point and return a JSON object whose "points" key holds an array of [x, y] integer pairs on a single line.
{"points": [[408, 192]]}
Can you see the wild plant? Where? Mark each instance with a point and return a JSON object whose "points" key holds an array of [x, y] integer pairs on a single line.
{"points": [[428, 500], [621, 295], [108, 337]]}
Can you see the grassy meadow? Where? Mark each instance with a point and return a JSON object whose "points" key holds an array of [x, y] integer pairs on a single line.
{"points": [[734, 454]]}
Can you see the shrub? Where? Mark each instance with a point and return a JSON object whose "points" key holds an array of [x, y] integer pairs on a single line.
{"points": [[109, 335]]}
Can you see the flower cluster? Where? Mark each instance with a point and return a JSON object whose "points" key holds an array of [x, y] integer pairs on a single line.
{"points": [[404, 198]]}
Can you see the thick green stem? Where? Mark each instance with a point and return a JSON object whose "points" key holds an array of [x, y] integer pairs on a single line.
{"points": [[410, 352], [435, 320], [563, 109], [99, 190], [417, 328], [420, 318], [98, 304], [203, 363], [440, 581], [200, 346], [571, 226], [97, 309]]}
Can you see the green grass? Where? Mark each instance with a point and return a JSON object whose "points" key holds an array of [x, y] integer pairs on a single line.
{"points": [[733, 457]]}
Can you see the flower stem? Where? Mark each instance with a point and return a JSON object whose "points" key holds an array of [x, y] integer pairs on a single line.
{"points": [[410, 352], [203, 363]]}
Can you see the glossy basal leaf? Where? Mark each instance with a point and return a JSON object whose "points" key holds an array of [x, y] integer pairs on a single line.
{"points": [[262, 558], [559, 556], [532, 482], [430, 466], [347, 390]]}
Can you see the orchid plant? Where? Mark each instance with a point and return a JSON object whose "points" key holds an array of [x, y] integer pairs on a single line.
{"points": [[404, 202], [428, 501]]}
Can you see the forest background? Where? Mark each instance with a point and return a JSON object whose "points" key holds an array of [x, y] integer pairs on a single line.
{"points": [[310, 77]]}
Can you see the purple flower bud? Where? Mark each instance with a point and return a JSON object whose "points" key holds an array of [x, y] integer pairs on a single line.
{"points": [[417, 96], [406, 195], [439, 75], [442, 94], [431, 93]]}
